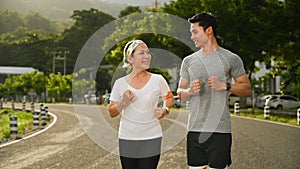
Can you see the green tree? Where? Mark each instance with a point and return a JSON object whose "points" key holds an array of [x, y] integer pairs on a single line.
{"points": [[257, 30], [9, 21], [287, 54], [26, 54], [24, 84], [15, 86], [129, 10], [3, 90], [183, 8], [38, 81], [152, 29], [37, 22], [87, 22], [22, 35], [81, 85], [59, 86]]}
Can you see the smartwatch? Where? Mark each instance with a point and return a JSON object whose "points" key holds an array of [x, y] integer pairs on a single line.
{"points": [[167, 109], [228, 86]]}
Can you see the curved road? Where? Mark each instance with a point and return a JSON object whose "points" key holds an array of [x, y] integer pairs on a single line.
{"points": [[256, 144]]}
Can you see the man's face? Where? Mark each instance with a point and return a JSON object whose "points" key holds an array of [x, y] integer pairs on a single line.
{"points": [[198, 36]]}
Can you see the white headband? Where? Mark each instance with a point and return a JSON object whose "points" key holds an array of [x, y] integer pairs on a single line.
{"points": [[128, 50]]}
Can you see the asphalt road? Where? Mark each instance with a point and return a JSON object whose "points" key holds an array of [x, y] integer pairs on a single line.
{"points": [[77, 140]]}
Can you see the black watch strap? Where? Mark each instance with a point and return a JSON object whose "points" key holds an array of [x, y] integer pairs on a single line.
{"points": [[228, 86]]}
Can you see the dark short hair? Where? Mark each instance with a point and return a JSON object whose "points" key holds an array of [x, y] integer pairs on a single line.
{"points": [[205, 20]]}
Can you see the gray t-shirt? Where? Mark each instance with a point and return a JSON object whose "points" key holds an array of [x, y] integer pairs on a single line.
{"points": [[209, 110]]}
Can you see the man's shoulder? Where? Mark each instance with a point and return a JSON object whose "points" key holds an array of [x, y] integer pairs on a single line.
{"points": [[226, 52], [190, 57]]}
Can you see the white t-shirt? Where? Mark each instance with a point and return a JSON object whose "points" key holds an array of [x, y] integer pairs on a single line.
{"points": [[138, 121]]}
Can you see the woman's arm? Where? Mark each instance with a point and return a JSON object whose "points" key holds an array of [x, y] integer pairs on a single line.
{"points": [[168, 102], [168, 99], [115, 108]]}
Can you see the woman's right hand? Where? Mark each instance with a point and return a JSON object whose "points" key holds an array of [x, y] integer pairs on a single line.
{"points": [[127, 96]]}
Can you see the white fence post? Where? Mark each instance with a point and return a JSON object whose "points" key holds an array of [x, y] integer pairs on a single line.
{"points": [[36, 120], [13, 127], [32, 107], [236, 108], [23, 106], [267, 112], [298, 116]]}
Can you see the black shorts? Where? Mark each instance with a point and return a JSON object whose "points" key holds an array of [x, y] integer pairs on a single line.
{"points": [[213, 149]]}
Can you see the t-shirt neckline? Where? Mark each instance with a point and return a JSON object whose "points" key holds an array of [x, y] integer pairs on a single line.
{"points": [[140, 88]]}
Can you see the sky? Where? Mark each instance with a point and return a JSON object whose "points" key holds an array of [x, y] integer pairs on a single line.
{"points": [[61, 9], [138, 2]]}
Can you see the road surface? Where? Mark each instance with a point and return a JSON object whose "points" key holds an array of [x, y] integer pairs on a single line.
{"points": [[256, 144]]}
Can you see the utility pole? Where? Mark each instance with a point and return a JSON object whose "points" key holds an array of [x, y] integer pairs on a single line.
{"points": [[60, 56], [156, 5]]}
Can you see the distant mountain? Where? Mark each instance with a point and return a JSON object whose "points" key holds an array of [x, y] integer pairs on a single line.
{"points": [[63, 9], [59, 9], [138, 2]]}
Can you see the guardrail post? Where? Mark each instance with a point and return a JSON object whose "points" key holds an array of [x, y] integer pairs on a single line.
{"points": [[267, 112], [298, 116], [236, 108], [13, 104], [46, 111], [13, 127], [41, 106], [43, 116], [36, 120], [32, 107], [187, 104], [23, 106]]}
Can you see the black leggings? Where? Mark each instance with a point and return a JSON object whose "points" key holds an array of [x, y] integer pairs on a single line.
{"points": [[140, 163]]}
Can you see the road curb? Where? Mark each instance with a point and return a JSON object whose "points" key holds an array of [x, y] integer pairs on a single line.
{"points": [[34, 134]]}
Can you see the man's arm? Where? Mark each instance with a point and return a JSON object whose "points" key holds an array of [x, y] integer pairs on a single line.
{"points": [[242, 86]]}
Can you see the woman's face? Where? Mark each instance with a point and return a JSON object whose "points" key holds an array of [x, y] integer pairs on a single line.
{"points": [[141, 58]]}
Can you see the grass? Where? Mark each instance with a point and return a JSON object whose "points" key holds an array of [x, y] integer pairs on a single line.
{"points": [[25, 121], [287, 118]]}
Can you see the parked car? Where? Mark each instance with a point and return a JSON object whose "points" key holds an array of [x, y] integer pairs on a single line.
{"points": [[232, 99], [284, 102], [279, 102], [90, 99], [261, 101]]}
